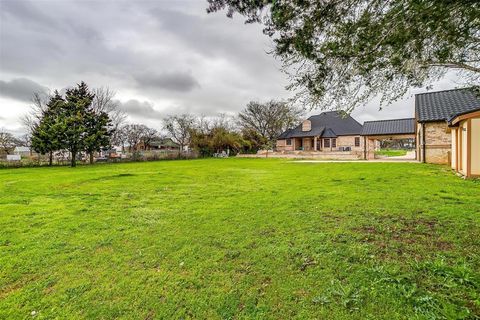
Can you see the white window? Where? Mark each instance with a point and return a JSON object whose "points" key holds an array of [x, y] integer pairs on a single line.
{"points": [[357, 141]]}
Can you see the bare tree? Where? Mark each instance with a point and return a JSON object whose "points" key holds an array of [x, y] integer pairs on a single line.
{"points": [[104, 102], [149, 134], [223, 121], [37, 110], [7, 141], [203, 124], [120, 137], [134, 134], [26, 141], [180, 128], [269, 119]]}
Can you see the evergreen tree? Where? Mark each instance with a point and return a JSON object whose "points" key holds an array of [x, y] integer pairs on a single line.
{"points": [[73, 121], [45, 137], [97, 134]]}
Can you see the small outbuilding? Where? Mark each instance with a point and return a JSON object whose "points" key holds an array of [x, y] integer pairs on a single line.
{"points": [[432, 112], [464, 128]]}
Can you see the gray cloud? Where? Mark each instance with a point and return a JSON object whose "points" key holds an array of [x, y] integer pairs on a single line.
{"points": [[26, 10], [174, 81], [139, 109], [21, 89]]}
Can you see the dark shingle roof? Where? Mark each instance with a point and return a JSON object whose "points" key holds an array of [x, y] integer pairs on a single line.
{"points": [[298, 133], [328, 133], [387, 127], [442, 105], [331, 123]]}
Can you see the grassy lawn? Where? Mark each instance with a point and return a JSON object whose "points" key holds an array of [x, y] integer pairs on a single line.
{"points": [[391, 152], [239, 238]]}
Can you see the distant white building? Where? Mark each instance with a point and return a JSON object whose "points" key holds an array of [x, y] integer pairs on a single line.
{"points": [[22, 151]]}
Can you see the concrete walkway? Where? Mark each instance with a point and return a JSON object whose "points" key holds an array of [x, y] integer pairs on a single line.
{"points": [[409, 157], [359, 161]]}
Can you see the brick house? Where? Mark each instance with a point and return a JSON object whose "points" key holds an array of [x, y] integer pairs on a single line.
{"points": [[325, 132], [166, 144], [433, 110]]}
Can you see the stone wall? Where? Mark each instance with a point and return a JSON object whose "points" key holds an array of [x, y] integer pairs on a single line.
{"points": [[349, 141], [438, 142], [282, 145]]}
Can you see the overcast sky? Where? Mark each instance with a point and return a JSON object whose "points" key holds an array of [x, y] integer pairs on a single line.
{"points": [[161, 57]]}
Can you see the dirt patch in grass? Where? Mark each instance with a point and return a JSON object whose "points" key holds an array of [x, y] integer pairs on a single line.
{"points": [[399, 236], [10, 288]]}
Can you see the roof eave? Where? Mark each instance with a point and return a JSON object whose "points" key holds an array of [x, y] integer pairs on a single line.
{"points": [[386, 134]]}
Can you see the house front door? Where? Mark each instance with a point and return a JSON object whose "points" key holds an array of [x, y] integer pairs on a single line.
{"points": [[299, 144]]}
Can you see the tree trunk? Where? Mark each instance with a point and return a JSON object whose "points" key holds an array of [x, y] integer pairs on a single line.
{"points": [[50, 158], [91, 157], [73, 162]]}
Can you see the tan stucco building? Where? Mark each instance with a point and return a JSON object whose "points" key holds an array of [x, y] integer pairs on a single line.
{"points": [[465, 135]]}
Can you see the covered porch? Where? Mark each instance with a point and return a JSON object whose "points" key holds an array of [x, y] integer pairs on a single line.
{"points": [[313, 144], [396, 129], [372, 143], [306, 144]]}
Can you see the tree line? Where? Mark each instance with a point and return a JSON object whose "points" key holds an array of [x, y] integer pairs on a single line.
{"points": [[84, 120], [256, 127]]}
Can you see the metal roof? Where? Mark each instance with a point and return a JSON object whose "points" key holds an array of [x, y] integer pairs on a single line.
{"points": [[443, 105], [331, 123], [389, 127]]}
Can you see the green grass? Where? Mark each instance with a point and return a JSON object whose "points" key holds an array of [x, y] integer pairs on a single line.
{"points": [[391, 152], [239, 239]]}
